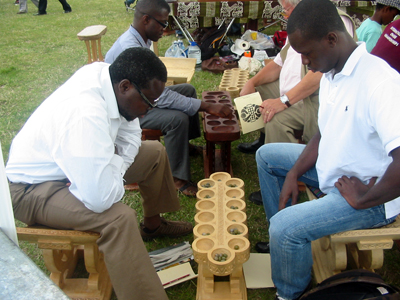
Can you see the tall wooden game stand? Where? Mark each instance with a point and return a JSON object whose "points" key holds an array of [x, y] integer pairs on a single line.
{"points": [[221, 131], [221, 244]]}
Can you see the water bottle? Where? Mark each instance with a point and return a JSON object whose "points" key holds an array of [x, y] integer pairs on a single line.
{"points": [[194, 52]]}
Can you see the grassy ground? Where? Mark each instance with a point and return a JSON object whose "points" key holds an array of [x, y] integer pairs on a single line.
{"points": [[38, 54]]}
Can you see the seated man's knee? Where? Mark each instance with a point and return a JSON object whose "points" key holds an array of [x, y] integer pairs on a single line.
{"points": [[179, 119], [121, 216], [279, 230], [267, 151]]}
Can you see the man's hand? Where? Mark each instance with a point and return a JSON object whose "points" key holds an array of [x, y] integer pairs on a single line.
{"points": [[270, 107], [220, 110], [290, 189], [352, 189]]}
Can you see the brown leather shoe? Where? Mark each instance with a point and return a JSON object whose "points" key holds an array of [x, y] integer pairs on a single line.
{"points": [[167, 228]]}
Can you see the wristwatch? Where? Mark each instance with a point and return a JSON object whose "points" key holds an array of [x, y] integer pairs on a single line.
{"points": [[285, 100]]}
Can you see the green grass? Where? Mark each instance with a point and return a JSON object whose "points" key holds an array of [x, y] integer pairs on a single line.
{"points": [[38, 54]]}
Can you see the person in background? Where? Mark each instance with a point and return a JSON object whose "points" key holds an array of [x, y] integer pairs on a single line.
{"points": [[354, 158], [68, 164], [23, 6], [388, 47], [43, 6], [371, 29], [177, 109]]}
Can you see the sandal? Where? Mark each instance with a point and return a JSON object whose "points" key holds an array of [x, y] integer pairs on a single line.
{"points": [[186, 189], [167, 228]]}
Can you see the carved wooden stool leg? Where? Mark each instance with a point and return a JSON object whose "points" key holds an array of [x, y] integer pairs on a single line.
{"points": [[61, 264]]}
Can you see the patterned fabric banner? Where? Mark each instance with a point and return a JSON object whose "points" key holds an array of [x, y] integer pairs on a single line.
{"points": [[206, 14]]}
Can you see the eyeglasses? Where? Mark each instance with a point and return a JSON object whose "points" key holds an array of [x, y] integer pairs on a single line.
{"points": [[147, 101], [163, 25]]}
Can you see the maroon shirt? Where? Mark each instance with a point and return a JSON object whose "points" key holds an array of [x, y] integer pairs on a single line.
{"points": [[388, 47]]}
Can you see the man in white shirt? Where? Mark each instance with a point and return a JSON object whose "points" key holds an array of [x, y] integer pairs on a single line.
{"points": [[290, 94], [68, 164], [354, 158]]}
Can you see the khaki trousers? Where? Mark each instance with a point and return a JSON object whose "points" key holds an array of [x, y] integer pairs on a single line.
{"points": [[131, 271], [300, 116]]}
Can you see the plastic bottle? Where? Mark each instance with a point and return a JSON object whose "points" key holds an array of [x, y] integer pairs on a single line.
{"points": [[194, 52]]}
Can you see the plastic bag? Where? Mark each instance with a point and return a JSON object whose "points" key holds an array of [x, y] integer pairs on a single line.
{"points": [[251, 64], [177, 49], [258, 40]]}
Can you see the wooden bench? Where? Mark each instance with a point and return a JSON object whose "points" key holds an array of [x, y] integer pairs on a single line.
{"points": [[358, 249], [61, 250]]}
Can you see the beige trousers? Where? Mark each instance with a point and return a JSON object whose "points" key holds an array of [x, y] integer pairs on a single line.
{"points": [[131, 271], [300, 116]]}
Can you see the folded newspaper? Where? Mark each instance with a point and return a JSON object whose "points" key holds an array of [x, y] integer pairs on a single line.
{"points": [[168, 256]]}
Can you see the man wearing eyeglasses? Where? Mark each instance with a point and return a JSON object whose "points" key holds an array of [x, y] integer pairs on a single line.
{"points": [[68, 164], [177, 109]]}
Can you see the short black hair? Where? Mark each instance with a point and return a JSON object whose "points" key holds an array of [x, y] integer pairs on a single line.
{"points": [[315, 19], [151, 6], [379, 6], [139, 65]]}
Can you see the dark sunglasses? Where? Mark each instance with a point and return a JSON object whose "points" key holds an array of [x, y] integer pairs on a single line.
{"points": [[147, 101]]}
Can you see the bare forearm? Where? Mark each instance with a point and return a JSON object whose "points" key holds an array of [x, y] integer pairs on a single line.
{"points": [[388, 188], [308, 85], [307, 159], [269, 73]]}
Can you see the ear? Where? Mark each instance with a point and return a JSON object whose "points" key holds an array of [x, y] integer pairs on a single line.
{"points": [[145, 19], [124, 85], [332, 38]]}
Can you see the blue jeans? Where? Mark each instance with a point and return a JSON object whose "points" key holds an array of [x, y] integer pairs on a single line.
{"points": [[292, 229]]}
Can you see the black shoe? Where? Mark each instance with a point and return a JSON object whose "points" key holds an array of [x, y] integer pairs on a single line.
{"points": [[67, 11], [40, 14], [256, 198], [262, 247], [252, 147]]}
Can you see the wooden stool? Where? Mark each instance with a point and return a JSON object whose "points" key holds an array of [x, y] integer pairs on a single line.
{"points": [[60, 252], [92, 34], [151, 134], [360, 249]]}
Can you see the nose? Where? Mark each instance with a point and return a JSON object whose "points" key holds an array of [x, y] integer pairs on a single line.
{"points": [[305, 60]]}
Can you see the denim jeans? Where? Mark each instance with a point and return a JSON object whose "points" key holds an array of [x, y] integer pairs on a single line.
{"points": [[292, 229]]}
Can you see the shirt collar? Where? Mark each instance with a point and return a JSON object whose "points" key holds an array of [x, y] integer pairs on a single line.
{"points": [[139, 38], [108, 93], [351, 62]]}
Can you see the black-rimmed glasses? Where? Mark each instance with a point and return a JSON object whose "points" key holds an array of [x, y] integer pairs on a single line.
{"points": [[163, 25], [147, 101]]}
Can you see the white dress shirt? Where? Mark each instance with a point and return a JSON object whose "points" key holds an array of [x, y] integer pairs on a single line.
{"points": [[73, 135], [359, 122]]}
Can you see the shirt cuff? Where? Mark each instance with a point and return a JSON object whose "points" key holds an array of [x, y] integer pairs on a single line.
{"points": [[118, 162], [196, 106]]}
